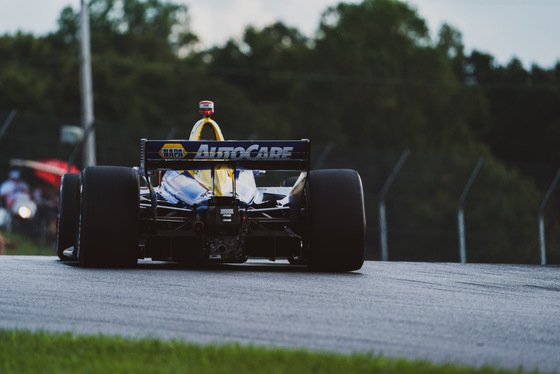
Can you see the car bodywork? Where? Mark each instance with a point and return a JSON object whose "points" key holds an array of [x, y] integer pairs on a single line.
{"points": [[197, 201]]}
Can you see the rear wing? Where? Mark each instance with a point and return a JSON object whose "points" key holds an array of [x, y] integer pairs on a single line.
{"points": [[250, 155]]}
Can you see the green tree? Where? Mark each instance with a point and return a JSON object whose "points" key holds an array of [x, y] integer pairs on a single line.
{"points": [[148, 29], [266, 66], [386, 84]]}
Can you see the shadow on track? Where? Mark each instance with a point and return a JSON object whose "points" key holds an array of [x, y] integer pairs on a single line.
{"points": [[250, 266]]}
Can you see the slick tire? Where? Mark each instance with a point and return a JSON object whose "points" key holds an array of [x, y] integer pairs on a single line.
{"points": [[68, 214], [336, 230], [108, 225]]}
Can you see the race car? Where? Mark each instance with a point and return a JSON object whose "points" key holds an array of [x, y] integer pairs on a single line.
{"points": [[198, 202]]}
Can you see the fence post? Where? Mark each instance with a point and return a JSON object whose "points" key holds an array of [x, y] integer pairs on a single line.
{"points": [[541, 217], [460, 212], [382, 216], [7, 122]]}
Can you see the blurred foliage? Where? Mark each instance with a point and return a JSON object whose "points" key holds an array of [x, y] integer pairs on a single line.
{"points": [[371, 83]]}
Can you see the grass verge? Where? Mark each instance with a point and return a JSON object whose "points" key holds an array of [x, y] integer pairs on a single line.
{"points": [[41, 352], [27, 246]]}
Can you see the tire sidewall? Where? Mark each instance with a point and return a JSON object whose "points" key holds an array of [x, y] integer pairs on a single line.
{"points": [[68, 214]]}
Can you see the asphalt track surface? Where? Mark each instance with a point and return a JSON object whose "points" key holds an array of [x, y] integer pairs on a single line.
{"points": [[472, 314]]}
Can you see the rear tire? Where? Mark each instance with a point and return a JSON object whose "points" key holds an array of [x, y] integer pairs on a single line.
{"points": [[336, 234], [68, 216], [108, 225]]}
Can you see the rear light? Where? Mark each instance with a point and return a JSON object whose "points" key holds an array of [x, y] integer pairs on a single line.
{"points": [[206, 108]]}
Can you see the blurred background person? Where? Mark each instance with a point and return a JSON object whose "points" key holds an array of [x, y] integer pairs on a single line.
{"points": [[10, 189]]}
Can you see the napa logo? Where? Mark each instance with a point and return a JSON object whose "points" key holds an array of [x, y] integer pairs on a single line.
{"points": [[172, 152]]}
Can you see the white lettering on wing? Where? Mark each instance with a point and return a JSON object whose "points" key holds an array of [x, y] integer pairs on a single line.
{"points": [[253, 152]]}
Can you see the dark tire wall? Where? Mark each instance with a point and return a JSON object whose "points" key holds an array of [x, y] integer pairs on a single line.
{"points": [[108, 223], [68, 214], [336, 234]]}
